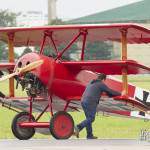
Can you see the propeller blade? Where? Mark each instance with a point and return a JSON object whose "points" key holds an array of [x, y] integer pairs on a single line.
{"points": [[8, 76], [30, 66], [26, 68]]}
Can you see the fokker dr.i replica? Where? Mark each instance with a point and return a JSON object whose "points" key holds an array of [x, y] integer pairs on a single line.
{"points": [[56, 85]]}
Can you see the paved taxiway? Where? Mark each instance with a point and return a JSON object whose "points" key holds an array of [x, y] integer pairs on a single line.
{"points": [[74, 144]]}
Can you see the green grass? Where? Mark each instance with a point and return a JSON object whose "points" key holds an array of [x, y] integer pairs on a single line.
{"points": [[103, 127], [115, 127], [4, 87]]}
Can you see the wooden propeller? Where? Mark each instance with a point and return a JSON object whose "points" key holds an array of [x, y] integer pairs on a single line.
{"points": [[24, 69]]}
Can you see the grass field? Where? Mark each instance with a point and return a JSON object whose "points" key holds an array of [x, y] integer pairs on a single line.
{"points": [[104, 126]]}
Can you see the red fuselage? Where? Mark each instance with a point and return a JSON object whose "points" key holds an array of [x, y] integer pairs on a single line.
{"points": [[63, 81], [60, 81]]}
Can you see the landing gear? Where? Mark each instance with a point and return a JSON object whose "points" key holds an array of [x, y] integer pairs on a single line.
{"points": [[61, 125], [22, 133]]}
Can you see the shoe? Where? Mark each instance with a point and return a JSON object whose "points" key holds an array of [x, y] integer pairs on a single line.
{"points": [[76, 131], [92, 137]]}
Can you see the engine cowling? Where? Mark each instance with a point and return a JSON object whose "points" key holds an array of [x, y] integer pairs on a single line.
{"points": [[39, 79]]}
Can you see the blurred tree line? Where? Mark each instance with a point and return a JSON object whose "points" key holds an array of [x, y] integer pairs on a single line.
{"points": [[7, 19], [95, 50]]}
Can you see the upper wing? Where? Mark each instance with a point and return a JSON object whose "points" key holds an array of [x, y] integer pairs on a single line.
{"points": [[33, 36], [113, 67]]}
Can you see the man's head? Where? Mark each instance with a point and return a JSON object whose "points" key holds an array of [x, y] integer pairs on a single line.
{"points": [[101, 77]]}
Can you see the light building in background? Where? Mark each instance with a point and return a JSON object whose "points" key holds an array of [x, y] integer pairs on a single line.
{"points": [[38, 18], [32, 18], [28, 19]]}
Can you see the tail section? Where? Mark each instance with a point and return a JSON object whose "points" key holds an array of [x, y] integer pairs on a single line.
{"points": [[135, 104]]}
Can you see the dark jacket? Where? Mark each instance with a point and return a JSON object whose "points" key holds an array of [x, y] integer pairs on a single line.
{"points": [[94, 90]]}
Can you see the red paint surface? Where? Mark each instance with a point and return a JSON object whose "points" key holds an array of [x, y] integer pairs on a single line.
{"points": [[68, 80], [34, 124], [32, 36], [9, 66], [62, 126]]}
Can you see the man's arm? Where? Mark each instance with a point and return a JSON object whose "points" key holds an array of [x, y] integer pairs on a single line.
{"points": [[110, 92]]}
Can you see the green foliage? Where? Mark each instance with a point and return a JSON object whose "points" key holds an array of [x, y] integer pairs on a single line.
{"points": [[48, 51], [7, 19], [67, 53], [93, 51], [26, 50], [3, 51], [98, 51]]}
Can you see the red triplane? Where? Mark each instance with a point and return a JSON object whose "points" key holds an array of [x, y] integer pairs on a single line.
{"points": [[56, 85]]}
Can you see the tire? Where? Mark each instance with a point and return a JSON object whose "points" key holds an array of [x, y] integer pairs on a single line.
{"points": [[61, 125], [22, 133]]}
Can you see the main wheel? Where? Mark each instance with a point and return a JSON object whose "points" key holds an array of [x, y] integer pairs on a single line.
{"points": [[62, 125], [22, 133]]}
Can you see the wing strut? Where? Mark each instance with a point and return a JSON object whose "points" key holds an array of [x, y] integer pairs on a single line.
{"points": [[11, 60], [71, 42], [124, 57], [84, 33]]}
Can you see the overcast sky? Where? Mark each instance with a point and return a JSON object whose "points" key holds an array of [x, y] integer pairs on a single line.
{"points": [[67, 9]]}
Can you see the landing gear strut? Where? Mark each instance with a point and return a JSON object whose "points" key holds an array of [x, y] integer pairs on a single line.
{"points": [[61, 125]]}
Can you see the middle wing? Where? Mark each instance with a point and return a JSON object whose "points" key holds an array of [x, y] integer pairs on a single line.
{"points": [[7, 66], [110, 67]]}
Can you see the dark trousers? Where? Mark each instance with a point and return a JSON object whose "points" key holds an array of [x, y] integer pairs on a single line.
{"points": [[90, 112]]}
